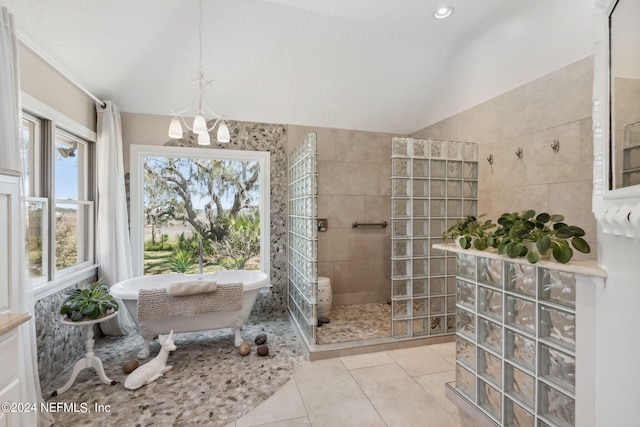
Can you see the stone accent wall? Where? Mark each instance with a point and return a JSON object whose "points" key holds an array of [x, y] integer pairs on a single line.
{"points": [[59, 346], [272, 138]]}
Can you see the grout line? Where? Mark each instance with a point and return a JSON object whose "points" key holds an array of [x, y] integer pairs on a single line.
{"points": [[306, 411], [364, 393]]}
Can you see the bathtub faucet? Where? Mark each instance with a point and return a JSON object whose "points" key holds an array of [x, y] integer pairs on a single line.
{"points": [[200, 257]]}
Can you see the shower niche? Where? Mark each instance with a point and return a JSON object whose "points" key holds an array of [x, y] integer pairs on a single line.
{"points": [[433, 184]]}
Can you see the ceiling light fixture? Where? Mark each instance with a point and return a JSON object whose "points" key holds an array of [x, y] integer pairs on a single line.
{"points": [[443, 12], [199, 126]]}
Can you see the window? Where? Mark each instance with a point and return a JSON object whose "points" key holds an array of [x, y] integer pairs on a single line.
{"points": [[59, 206], [73, 210], [183, 197]]}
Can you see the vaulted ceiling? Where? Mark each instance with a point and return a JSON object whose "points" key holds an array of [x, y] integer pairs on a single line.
{"points": [[378, 65]]}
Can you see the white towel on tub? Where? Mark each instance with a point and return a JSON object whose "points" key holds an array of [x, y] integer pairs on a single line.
{"points": [[155, 303], [191, 287]]}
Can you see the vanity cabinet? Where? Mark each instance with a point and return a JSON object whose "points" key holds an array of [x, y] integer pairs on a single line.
{"points": [[10, 319], [524, 344], [9, 380]]}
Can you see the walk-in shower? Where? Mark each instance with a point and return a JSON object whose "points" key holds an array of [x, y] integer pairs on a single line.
{"points": [[433, 183]]}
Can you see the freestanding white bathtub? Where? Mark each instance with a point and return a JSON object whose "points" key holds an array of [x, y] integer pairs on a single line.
{"points": [[127, 290]]}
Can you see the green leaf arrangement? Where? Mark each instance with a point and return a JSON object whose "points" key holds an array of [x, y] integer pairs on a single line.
{"points": [[472, 231], [547, 232], [90, 303]]}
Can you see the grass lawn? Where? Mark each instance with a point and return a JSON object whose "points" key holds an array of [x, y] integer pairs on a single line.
{"points": [[157, 262]]}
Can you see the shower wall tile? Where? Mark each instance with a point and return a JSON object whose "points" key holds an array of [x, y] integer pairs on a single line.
{"points": [[325, 268], [477, 124], [341, 210], [558, 102], [354, 174], [333, 245], [385, 180], [357, 146], [348, 178], [365, 297], [555, 106], [361, 275], [562, 166], [376, 209], [367, 244], [569, 198], [586, 149]]}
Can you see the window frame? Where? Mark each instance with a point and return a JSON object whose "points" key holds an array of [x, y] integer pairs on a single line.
{"points": [[84, 197], [137, 154], [52, 122]]}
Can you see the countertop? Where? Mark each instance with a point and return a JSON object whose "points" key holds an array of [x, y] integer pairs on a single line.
{"points": [[10, 321], [577, 266]]}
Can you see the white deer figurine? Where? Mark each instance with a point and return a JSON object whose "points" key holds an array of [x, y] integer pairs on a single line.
{"points": [[153, 369]]}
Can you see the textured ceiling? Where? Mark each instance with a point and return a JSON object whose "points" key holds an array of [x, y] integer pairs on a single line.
{"points": [[379, 65]]}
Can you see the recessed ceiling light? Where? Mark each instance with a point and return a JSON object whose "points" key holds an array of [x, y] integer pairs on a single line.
{"points": [[443, 12]]}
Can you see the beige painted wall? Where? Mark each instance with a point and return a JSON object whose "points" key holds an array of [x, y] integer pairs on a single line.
{"points": [[353, 185], [142, 129], [40, 80], [555, 106]]}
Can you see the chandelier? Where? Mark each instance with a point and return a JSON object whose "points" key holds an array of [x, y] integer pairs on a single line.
{"points": [[199, 126]]}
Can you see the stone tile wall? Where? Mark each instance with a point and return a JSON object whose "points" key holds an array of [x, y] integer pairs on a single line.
{"points": [[59, 346], [272, 138], [532, 116], [353, 185]]}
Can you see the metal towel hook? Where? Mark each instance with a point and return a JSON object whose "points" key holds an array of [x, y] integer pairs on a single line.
{"points": [[490, 159], [519, 152], [555, 146]]}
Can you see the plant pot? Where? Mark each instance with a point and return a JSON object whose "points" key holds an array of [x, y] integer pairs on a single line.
{"points": [[531, 247]]}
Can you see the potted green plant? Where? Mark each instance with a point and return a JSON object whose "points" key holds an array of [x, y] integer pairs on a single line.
{"points": [[90, 303], [470, 230], [536, 236]]}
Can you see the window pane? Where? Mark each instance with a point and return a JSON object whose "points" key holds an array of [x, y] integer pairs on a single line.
{"points": [[66, 236], [37, 252], [69, 176], [73, 238], [28, 137], [187, 200]]}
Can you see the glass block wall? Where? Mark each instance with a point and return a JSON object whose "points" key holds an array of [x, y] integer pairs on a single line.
{"points": [[303, 237], [515, 343], [433, 184]]}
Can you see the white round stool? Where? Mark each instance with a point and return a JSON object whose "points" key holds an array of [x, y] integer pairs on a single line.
{"points": [[325, 296]]}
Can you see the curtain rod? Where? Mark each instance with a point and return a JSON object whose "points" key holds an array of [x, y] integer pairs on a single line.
{"points": [[59, 70]]}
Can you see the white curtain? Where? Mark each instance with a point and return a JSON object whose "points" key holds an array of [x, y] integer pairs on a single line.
{"points": [[10, 99], [10, 163], [113, 246]]}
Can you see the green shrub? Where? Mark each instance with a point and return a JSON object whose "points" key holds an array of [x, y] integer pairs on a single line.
{"points": [[182, 261]]}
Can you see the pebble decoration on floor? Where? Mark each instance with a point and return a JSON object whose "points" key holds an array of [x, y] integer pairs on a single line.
{"points": [[356, 322], [210, 383]]}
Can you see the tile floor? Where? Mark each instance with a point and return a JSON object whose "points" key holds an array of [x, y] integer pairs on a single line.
{"points": [[401, 388]]}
